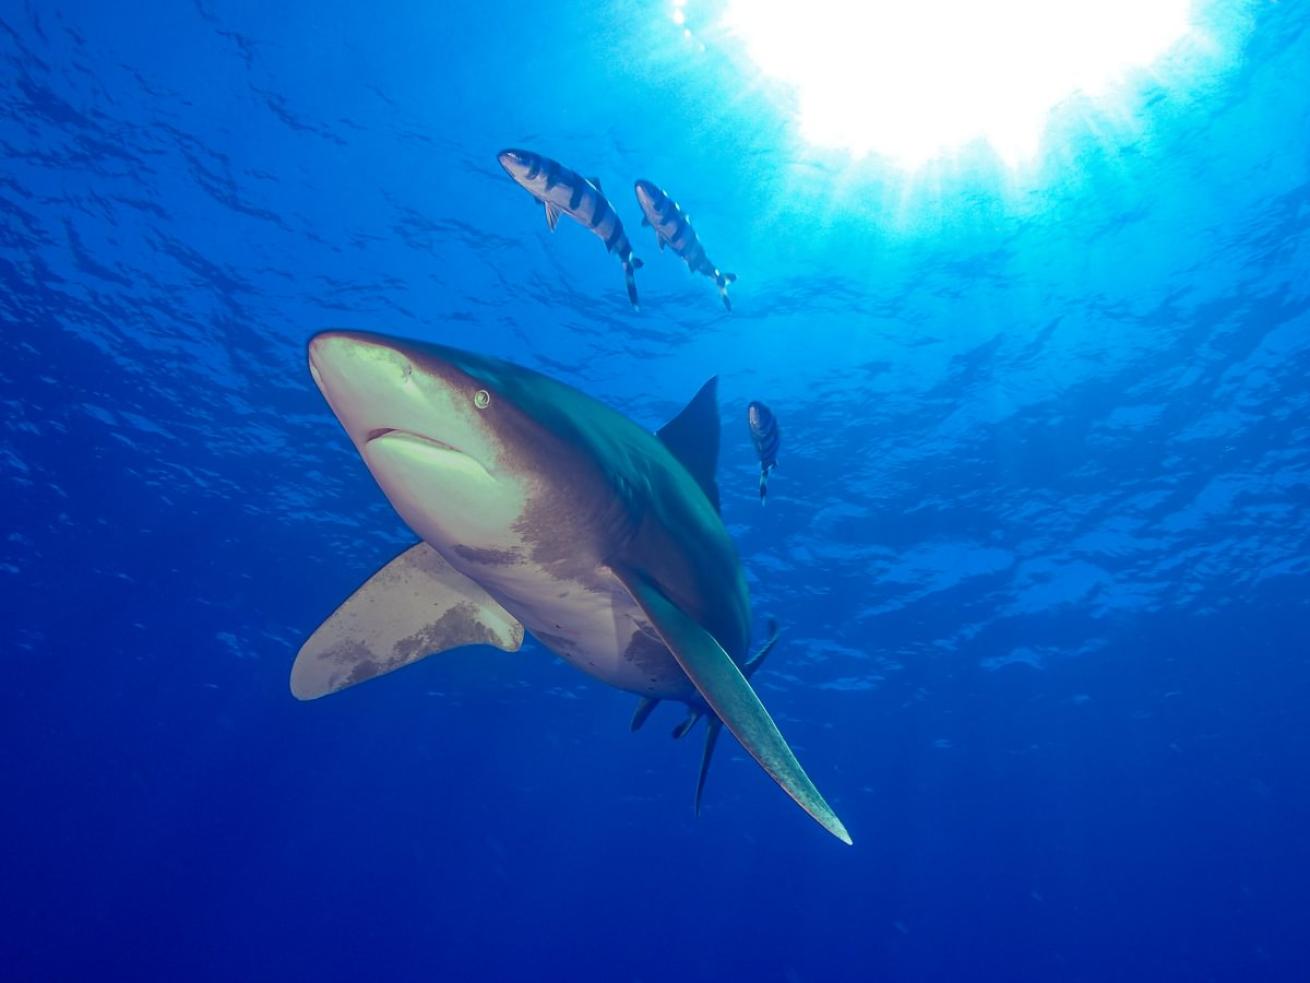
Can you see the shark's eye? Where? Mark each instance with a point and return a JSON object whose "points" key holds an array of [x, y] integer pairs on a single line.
{"points": [[482, 399]]}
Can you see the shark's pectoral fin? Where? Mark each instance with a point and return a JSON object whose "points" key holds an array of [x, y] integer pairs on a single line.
{"points": [[644, 709], [730, 696], [552, 215], [415, 606], [715, 725]]}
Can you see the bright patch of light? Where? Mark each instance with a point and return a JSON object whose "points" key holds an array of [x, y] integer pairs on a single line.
{"points": [[914, 80]]}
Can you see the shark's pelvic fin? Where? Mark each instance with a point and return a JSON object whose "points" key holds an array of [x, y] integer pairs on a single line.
{"points": [[552, 215], [730, 696], [693, 438], [415, 606], [711, 738], [644, 709], [686, 724]]}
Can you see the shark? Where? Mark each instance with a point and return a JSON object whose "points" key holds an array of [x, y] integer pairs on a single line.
{"points": [[540, 510]]}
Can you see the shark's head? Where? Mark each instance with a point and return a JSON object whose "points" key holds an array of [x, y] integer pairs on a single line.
{"points": [[651, 199], [458, 444], [526, 168], [455, 441]]}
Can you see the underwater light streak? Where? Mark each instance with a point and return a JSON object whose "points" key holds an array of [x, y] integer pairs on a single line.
{"points": [[917, 81]]}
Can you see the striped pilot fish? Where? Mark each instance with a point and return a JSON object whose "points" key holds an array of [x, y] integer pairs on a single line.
{"points": [[766, 438], [567, 192], [674, 230]]}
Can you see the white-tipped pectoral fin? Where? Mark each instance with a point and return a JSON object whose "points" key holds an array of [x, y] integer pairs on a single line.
{"points": [[415, 606], [729, 694], [552, 215]]}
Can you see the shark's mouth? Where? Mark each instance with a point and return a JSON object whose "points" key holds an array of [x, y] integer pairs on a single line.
{"points": [[378, 433]]}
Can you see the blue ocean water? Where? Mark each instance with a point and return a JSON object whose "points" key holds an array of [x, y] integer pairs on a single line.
{"points": [[1039, 539]]}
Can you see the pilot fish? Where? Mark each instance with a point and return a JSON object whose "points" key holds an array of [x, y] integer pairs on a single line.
{"points": [[766, 437], [673, 229], [562, 190]]}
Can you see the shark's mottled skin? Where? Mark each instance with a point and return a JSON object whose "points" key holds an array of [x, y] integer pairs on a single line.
{"points": [[591, 533]]}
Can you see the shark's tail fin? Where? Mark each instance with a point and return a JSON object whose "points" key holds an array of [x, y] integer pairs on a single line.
{"points": [[711, 737], [629, 270], [722, 280]]}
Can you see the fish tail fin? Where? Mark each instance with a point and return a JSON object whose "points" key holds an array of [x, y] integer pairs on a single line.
{"points": [[722, 280], [629, 269], [764, 484]]}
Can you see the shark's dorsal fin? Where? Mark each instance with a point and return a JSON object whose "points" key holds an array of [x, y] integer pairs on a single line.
{"points": [[415, 606], [693, 438]]}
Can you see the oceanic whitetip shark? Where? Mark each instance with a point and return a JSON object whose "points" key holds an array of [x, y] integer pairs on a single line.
{"points": [[542, 510]]}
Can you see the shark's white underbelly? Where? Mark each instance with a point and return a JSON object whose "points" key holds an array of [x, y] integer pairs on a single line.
{"points": [[594, 624], [574, 606]]}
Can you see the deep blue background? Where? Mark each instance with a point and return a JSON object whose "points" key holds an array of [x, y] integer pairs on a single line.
{"points": [[1040, 537]]}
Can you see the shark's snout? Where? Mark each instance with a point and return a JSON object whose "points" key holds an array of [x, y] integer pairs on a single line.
{"points": [[365, 380], [387, 394], [334, 354]]}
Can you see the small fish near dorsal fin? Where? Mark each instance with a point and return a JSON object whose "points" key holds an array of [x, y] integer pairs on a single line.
{"points": [[552, 215], [693, 438]]}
